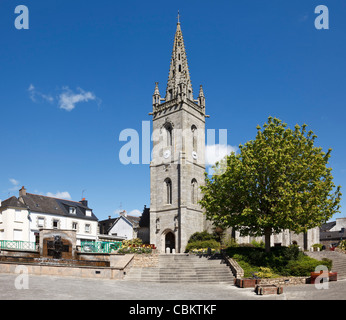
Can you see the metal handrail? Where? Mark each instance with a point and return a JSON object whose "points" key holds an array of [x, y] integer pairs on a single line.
{"points": [[100, 246], [18, 245]]}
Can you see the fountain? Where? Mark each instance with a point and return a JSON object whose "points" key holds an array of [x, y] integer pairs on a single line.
{"points": [[58, 255]]}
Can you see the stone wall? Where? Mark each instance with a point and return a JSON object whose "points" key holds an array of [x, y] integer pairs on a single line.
{"points": [[145, 260], [285, 281]]}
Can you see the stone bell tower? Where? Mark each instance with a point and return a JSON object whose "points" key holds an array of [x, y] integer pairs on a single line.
{"points": [[178, 158]]}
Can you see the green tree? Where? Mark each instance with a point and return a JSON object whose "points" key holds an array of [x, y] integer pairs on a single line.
{"points": [[278, 181]]}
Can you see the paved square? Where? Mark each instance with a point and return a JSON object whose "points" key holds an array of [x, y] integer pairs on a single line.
{"points": [[68, 288]]}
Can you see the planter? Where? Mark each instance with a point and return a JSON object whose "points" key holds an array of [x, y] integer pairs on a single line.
{"points": [[332, 276], [268, 289], [246, 283]]}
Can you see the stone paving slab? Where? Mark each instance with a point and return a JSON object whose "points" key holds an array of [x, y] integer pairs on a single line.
{"points": [[69, 288]]}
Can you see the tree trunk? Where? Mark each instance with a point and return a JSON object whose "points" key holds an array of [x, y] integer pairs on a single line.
{"points": [[267, 234]]}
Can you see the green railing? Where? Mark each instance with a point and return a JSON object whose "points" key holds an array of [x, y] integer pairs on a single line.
{"points": [[100, 246], [18, 245]]}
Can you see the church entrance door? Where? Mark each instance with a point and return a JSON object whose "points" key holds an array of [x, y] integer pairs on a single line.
{"points": [[170, 241]]}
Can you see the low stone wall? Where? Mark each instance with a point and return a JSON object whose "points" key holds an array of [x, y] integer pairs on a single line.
{"points": [[145, 260], [237, 270], [117, 266], [19, 253], [81, 272], [285, 281]]}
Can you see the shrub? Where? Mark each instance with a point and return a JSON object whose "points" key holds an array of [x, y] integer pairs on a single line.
{"points": [[229, 242], [291, 252], [285, 261], [257, 244], [305, 265], [202, 236], [264, 273], [133, 242], [342, 245], [213, 244]]}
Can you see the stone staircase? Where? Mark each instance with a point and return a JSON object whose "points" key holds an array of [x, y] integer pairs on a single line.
{"points": [[339, 261], [183, 268]]}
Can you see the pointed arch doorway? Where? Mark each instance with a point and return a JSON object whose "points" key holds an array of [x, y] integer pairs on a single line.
{"points": [[169, 241]]}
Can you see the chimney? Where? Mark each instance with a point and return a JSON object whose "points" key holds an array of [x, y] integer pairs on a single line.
{"points": [[123, 213], [109, 217], [84, 202], [22, 192]]}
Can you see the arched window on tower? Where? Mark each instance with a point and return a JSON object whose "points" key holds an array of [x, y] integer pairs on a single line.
{"points": [[194, 138], [168, 190], [169, 134], [194, 191]]}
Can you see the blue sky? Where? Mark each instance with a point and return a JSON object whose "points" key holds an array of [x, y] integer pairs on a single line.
{"points": [[85, 70]]}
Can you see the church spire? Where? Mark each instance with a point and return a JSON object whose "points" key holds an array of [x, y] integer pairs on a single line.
{"points": [[179, 82]]}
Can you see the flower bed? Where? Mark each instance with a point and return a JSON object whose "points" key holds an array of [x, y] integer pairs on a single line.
{"points": [[143, 248]]}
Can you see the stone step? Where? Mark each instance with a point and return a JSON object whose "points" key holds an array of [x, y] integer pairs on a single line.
{"points": [[183, 268], [339, 261], [195, 278], [192, 272]]}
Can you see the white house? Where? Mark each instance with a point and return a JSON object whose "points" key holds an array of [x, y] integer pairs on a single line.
{"points": [[22, 218], [124, 226]]}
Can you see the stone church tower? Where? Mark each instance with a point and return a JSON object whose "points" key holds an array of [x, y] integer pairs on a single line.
{"points": [[178, 157]]}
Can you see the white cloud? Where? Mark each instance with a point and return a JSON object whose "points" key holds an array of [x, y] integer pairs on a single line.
{"points": [[135, 213], [15, 185], [68, 98], [14, 182], [216, 152], [36, 95], [60, 195]]}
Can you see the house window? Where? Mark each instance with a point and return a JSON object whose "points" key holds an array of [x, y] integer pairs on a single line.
{"points": [[17, 235], [40, 222], [87, 228], [17, 215], [74, 225], [55, 224], [168, 185], [73, 210]]}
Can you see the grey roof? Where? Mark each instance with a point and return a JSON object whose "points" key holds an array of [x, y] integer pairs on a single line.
{"points": [[333, 235], [133, 220], [44, 204], [12, 202], [106, 225], [327, 226]]}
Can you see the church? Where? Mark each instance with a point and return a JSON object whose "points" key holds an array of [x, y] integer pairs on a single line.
{"points": [[178, 164]]}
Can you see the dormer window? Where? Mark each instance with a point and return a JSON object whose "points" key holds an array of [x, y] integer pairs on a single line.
{"points": [[73, 210]]}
